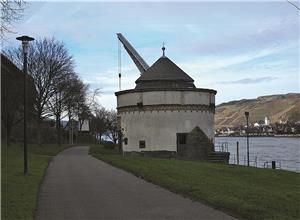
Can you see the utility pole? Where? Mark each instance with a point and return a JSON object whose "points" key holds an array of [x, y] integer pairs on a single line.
{"points": [[247, 133], [237, 154]]}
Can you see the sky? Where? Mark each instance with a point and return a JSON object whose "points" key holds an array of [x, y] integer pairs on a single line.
{"points": [[241, 49]]}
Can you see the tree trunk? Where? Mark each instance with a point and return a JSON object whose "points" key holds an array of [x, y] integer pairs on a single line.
{"points": [[39, 135], [58, 128], [70, 128], [120, 141], [39, 127], [115, 139]]}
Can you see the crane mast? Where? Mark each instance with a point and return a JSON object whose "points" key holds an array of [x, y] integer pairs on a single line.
{"points": [[137, 59]]}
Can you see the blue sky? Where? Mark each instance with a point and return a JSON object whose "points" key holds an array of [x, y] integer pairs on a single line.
{"points": [[241, 49]]}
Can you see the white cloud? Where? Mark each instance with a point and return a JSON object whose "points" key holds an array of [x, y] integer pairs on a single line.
{"points": [[109, 101], [249, 80], [204, 64]]}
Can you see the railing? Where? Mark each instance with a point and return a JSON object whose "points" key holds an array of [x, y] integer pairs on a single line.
{"points": [[253, 161], [243, 160], [274, 164], [222, 147]]}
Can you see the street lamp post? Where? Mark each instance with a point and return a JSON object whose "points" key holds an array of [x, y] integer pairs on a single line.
{"points": [[247, 133], [25, 40]]}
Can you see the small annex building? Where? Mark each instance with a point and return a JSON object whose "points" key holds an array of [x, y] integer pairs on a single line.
{"points": [[164, 107]]}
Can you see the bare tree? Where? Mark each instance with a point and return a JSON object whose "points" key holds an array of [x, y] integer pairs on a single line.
{"points": [[49, 63], [75, 97], [112, 125], [84, 110], [99, 121], [11, 11], [104, 122], [69, 96], [56, 102]]}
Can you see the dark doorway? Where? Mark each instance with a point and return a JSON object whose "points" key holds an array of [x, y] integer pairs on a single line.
{"points": [[181, 138], [181, 143]]}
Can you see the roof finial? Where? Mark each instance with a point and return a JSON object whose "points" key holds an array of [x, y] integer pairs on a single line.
{"points": [[163, 49]]}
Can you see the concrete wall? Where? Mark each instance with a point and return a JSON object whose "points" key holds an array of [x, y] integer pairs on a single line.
{"points": [[166, 97], [159, 128]]}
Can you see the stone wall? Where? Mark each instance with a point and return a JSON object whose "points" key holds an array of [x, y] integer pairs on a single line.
{"points": [[198, 145]]}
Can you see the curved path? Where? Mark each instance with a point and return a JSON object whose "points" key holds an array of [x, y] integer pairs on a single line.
{"points": [[78, 186]]}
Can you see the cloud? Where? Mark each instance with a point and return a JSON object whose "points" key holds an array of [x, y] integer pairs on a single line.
{"points": [[108, 82], [207, 63], [107, 100], [249, 80]]}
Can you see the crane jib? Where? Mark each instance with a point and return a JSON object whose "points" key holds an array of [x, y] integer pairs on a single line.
{"points": [[136, 58]]}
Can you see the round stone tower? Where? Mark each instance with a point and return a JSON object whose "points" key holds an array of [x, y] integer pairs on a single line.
{"points": [[163, 108]]}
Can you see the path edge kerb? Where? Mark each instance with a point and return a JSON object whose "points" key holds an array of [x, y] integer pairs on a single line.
{"points": [[43, 179]]}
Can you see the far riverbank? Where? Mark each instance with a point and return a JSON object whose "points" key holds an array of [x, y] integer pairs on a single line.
{"points": [[275, 136]]}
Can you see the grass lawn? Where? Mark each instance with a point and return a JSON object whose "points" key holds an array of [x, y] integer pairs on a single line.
{"points": [[19, 192], [246, 193]]}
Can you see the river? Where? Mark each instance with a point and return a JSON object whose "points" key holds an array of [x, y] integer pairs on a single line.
{"points": [[285, 151]]}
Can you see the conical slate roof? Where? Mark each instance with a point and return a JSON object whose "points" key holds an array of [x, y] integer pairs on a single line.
{"points": [[164, 74]]}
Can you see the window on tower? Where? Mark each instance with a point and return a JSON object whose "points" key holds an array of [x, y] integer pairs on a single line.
{"points": [[142, 144]]}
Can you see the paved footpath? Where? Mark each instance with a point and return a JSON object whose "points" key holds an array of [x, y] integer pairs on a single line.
{"points": [[78, 186]]}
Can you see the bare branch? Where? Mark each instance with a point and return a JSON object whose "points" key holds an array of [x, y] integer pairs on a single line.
{"points": [[11, 12]]}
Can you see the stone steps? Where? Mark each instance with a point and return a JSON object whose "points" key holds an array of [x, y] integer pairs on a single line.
{"points": [[218, 157]]}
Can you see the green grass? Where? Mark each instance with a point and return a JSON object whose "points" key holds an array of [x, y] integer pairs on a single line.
{"points": [[246, 193], [19, 192]]}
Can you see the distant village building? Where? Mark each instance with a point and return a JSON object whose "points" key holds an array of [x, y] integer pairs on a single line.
{"points": [[293, 129], [163, 108], [267, 121], [256, 124], [84, 125]]}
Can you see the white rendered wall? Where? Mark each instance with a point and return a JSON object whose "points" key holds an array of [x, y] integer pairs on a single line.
{"points": [[166, 97], [159, 128]]}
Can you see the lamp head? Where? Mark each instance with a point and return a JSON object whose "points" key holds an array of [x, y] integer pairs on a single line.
{"points": [[25, 40], [247, 114]]}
